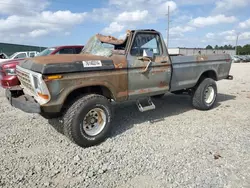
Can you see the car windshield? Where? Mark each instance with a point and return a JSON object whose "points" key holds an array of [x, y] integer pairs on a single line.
{"points": [[96, 47], [46, 52]]}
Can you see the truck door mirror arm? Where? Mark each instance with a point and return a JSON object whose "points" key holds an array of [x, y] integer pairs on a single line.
{"points": [[147, 56], [146, 68]]}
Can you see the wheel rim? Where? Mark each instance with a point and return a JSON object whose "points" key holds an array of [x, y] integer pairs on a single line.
{"points": [[94, 122], [209, 94]]}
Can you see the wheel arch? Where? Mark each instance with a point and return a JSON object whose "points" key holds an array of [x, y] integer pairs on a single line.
{"points": [[80, 91], [207, 74]]}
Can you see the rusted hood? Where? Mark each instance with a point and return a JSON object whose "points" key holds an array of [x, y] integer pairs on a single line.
{"points": [[66, 58], [73, 63]]}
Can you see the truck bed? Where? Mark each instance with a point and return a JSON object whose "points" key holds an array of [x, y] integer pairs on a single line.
{"points": [[188, 69]]}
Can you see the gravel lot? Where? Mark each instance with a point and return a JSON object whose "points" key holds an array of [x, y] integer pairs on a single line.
{"points": [[172, 146]]}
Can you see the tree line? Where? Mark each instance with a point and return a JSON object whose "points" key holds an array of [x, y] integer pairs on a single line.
{"points": [[241, 50]]}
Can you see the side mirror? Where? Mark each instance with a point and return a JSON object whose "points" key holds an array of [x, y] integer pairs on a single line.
{"points": [[148, 54]]}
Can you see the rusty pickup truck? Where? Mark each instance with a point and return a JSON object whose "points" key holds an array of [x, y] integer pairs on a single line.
{"points": [[79, 89]]}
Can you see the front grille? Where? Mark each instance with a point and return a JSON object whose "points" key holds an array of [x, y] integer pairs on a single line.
{"points": [[24, 79]]}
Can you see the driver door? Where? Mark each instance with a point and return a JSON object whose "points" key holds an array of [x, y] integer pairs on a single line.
{"points": [[148, 76]]}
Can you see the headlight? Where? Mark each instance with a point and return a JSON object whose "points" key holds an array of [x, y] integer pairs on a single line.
{"points": [[40, 89], [10, 72]]}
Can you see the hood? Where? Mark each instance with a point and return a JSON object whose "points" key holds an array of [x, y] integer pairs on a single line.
{"points": [[69, 63], [66, 58], [4, 60], [11, 61]]}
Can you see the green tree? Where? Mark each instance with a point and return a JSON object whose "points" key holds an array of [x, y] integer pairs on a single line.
{"points": [[230, 47], [239, 50], [246, 49], [209, 47], [225, 47]]}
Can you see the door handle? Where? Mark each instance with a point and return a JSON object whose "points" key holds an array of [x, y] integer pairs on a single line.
{"points": [[146, 68]]}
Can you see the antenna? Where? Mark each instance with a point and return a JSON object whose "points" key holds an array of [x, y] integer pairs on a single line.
{"points": [[168, 14]]}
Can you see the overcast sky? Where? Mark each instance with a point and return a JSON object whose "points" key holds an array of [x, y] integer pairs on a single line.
{"points": [[194, 23]]}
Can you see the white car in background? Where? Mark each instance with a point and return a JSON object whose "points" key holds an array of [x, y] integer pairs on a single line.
{"points": [[21, 55]]}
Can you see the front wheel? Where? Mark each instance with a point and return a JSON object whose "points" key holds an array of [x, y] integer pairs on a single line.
{"points": [[87, 122], [205, 95]]}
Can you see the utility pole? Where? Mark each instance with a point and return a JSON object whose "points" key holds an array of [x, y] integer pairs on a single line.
{"points": [[236, 45], [168, 27]]}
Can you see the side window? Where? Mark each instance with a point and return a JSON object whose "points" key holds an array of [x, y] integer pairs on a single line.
{"points": [[78, 50], [144, 41], [66, 51], [32, 54], [21, 55]]}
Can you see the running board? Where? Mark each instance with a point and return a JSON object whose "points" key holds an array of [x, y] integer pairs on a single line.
{"points": [[149, 106]]}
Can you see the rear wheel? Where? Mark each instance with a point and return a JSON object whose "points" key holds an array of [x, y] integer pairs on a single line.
{"points": [[88, 120], [204, 96]]}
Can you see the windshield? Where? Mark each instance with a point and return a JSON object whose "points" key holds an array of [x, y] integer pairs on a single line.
{"points": [[46, 52], [96, 47]]}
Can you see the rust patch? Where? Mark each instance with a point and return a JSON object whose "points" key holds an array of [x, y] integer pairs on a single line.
{"points": [[122, 94], [141, 91], [160, 59], [201, 58], [161, 68], [144, 90], [100, 120], [163, 84], [111, 39], [119, 61], [118, 66]]}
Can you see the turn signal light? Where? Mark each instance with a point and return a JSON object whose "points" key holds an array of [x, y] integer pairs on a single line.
{"points": [[46, 97], [53, 77]]}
